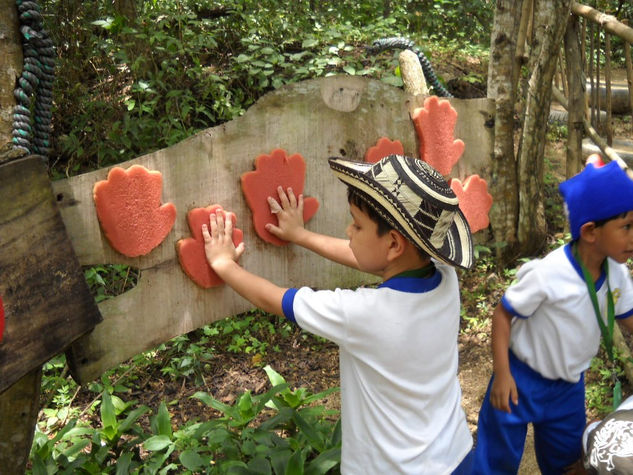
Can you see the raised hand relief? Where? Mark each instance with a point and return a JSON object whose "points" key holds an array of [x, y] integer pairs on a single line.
{"points": [[271, 171], [130, 211], [191, 250], [435, 126]]}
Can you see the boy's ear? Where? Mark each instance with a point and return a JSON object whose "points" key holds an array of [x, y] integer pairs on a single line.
{"points": [[397, 244], [588, 231]]}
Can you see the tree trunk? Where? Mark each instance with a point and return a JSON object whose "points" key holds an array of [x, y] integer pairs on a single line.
{"points": [[19, 404], [548, 36], [576, 100], [502, 88], [10, 65], [127, 9]]}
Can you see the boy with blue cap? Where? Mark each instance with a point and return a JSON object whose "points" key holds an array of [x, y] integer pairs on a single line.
{"points": [[400, 396], [546, 329]]}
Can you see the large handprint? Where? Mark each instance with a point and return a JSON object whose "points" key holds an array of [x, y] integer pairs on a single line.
{"points": [[383, 147], [191, 250], [474, 201], [435, 126], [272, 171], [129, 210]]}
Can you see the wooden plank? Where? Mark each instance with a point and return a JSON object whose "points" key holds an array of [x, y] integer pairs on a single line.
{"points": [[341, 115], [19, 407], [46, 299]]}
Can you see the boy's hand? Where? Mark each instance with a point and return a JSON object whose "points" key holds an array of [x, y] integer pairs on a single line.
{"points": [[218, 242], [289, 211], [504, 390]]}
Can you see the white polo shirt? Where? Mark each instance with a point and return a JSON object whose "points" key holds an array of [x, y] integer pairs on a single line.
{"points": [[400, 396], [555, 330]]}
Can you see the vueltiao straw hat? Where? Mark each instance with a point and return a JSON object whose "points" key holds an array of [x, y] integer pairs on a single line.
{"points": [[416, 200]]}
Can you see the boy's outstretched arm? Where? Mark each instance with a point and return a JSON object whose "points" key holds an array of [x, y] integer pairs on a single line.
{"points": [[222, 256], [504, 388], [289, 212]]}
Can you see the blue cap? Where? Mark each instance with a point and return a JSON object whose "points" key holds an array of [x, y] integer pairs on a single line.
{"points": [[596, 193]]}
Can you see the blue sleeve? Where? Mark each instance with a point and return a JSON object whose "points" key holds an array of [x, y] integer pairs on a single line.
{"points": [[287, 304]]}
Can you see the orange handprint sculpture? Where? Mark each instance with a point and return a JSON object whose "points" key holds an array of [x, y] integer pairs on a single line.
{"points": [[191, 250], [129, 210], [435, 126], [474, 201], [383, 148], [271, 171]]}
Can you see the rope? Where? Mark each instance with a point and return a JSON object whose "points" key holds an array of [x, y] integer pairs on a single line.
{"points": [[403, 43], [34, 93]]}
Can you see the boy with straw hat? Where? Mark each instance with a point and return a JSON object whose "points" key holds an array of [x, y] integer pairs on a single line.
{"points": [[400, 395]]}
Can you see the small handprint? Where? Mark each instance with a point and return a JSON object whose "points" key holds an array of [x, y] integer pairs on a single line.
{"points": [[383, 147], [474, 201], [272, 171], [435, 126], [129, 210], [191, 250]]}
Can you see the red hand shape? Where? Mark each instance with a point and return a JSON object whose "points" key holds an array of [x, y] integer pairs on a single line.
{"points": [[191, 250], [271, 171], [474, 201], [435, 125], [383, 147], [129, 210]]}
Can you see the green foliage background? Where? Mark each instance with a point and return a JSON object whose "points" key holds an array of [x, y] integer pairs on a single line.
{"points": [[125, 88]]}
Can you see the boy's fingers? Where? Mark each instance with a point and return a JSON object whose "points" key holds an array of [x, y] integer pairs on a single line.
{"points": [[228, 226], [272, 229], [292, 198], [273, 205], [283, 197], [205, 233], [214, 225]]}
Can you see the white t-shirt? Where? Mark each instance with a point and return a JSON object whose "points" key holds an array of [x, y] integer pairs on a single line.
{"points": [[556, 331], [400, 396]]}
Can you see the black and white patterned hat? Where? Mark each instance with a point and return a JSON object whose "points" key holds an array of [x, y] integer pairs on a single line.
{"points": [[416, 200]]}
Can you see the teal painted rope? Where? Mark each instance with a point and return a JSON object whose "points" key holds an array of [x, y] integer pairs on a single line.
{"points": [[32, 116]]}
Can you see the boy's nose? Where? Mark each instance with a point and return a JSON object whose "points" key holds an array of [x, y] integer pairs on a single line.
{"points": [[348, 231]]}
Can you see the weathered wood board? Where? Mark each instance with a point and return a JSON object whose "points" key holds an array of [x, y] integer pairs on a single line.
{"points": [[336, 116], [46, 299]]}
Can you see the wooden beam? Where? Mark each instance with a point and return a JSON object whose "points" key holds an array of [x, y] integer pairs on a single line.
{"points": [[608, 22]]}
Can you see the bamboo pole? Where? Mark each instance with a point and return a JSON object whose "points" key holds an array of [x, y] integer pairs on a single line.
{"points": [[607, 81], [608, 22], [629, 76], [608, 152]]}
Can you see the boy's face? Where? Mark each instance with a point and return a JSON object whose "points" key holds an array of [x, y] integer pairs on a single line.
{"points": [[368, 247], [615, 238]]}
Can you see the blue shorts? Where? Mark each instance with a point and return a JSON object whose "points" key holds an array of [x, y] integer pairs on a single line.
{"points": [[556, 408]]}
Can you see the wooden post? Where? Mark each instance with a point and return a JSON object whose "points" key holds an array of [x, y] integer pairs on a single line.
{"points": [[629, 75], [576, 98], [607, 82]]}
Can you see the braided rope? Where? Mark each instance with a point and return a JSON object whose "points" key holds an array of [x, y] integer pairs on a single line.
{"points": [[34, 93], [404, 43]]}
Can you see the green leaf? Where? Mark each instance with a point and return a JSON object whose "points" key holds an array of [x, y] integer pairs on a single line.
{"points": [[295, 464], [191, 460], [349, 69], [123, 464], [260, 466], [108, 417], [163, 421], [309, 43], [156, 443], [324, 462]]}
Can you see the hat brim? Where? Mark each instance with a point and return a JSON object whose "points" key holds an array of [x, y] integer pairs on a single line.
{"points": [[457, 248]]}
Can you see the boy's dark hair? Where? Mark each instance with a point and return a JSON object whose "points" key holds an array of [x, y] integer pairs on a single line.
{"points": [[383, 226], [354, 197], [602, 222]]}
